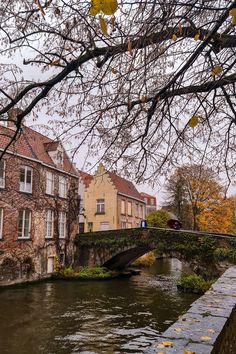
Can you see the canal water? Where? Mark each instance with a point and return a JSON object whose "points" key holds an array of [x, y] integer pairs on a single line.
{"points": [[92, 317]]}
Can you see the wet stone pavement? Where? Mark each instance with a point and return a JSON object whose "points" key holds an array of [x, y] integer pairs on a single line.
{"points": [[200, 329]]}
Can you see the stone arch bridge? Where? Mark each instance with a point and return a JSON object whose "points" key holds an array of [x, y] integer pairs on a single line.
{"points": [[118, 248]]}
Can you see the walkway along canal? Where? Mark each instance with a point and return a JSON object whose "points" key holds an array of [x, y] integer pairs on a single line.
{"points": [[110, 317]]}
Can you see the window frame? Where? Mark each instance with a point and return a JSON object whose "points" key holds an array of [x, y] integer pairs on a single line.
{"points": [[62, 219], [62, 187], [24, 219], [25, 183], [1, 223], [100, 206], [129, 208], [48, 222], [122, 207], [3, 178], [50, 183]]}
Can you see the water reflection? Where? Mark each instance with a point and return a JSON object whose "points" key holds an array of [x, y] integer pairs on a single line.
{"points": [[118, 316]]}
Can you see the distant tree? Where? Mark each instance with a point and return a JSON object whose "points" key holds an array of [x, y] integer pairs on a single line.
{"points": [[198, 199], [218, 216], [158, 218]]}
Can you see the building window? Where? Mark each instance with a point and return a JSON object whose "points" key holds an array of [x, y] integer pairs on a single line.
{"points": [[49, 183], [2, 173], [49, 223], [123, 225], [152, 201], [62, 187], [123, 207], [141, 211], [24, 223], [145, 199], [100, 206], [129, 225], [26, 174], [129, 208], [104, 226], [62, 224], [136, 210], [90, 227], [50, 265], [1, 223]]}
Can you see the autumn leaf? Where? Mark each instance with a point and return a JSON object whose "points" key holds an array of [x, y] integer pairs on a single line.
{"points": [[103, 25], [232, 12], [216, 70], [205, 338], [193, 121], [178, 330], [114, 71], [40, 7], [180, 29], [188, 352], [196, 37], [234, 20], [167, 344], [130, 49], [109, 7], [55, 62], [174, 37], [95, 7], [143, 99], [211, 330]]}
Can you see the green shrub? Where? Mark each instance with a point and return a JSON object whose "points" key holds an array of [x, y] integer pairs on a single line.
{"points": [[66, 271], [95, 272], [194, 283]]}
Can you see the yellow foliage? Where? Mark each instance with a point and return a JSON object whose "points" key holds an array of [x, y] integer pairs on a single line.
{"points": [[234, 20], [205, 338], [216, 70], [174, 37], [193, 121], [196, 37], [103, 25], [108, 7], [167, 344], [143, 99], [233, 12], [217, 215]]}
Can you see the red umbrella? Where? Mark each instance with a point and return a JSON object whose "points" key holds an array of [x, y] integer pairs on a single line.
{"points": [[174, 224]]}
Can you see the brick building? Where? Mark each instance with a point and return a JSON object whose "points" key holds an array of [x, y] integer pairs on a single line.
{"points": [[38, 206], [150, 201]]}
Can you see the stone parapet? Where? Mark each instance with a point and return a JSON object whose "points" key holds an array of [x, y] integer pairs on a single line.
{"points": [[199, 330]]}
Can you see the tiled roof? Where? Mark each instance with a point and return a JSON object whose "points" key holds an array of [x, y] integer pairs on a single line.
{"points": [[124, 186], [32, 144], [86, 177]]}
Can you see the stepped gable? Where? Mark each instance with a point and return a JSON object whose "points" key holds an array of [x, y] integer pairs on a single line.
{"points": [[31, 144], [124, 186], [86, 177]]}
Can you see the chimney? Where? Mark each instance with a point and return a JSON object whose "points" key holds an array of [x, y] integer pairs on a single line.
{"points": [[12, 117]]}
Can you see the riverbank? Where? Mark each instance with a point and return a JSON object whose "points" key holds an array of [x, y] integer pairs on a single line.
{"points": [[200, 330]]}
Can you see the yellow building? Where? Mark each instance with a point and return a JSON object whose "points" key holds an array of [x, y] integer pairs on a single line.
{"points": [[112, 203]]}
